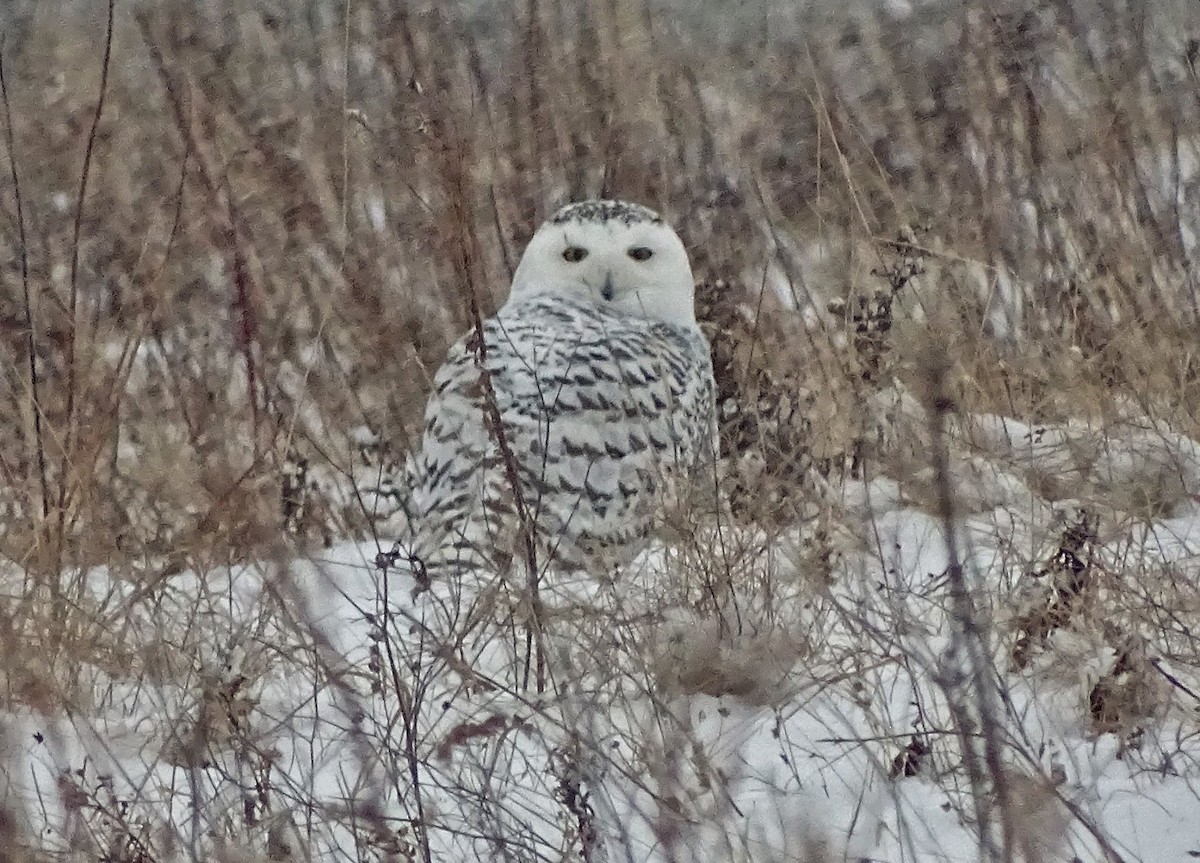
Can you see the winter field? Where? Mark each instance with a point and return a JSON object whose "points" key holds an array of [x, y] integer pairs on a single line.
{"points": [[947, 605]]}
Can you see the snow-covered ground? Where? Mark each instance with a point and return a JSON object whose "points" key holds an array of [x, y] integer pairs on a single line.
{"points": [[316, 709]]}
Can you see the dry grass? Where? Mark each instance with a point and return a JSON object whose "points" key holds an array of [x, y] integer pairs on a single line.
{"points": [[289, 213]]}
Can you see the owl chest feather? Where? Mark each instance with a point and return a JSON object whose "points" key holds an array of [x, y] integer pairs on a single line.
{"points": [[595, 408]]}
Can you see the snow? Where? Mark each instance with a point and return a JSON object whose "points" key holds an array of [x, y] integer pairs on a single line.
{"points": [[289, 704]]}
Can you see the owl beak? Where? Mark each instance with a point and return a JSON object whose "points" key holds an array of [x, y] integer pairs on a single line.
{"points": [[607, 291]]}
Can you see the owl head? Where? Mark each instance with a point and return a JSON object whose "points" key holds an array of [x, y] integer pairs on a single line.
{"points": [[616, 254]]}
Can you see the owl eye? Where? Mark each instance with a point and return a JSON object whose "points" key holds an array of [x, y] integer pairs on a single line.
{"points": [[574, 254], [640, 253]]}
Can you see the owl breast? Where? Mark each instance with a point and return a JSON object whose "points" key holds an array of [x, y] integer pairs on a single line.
{"points": [[598, 413]]}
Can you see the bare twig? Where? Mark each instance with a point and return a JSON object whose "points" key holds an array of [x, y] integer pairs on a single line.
{"points": [[27, 301], [244, 304], [967, 669], [77, 230]]}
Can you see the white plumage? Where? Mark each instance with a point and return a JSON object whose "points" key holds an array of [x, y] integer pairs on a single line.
{"points": [[602, 385]]}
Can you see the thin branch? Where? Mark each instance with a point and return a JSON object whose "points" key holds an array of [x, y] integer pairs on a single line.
{"points": [[966, 670], [243, 304], [85, 174], [344, 233], [29, 329], [505, 253]]}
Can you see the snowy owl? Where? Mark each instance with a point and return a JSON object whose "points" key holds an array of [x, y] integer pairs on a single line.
{"points": [[552, 439]]}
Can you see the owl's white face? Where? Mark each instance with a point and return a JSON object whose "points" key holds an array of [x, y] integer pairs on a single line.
{"points": [[616, 254]]}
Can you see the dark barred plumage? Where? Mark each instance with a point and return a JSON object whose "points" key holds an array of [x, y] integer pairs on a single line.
{"points": [[605, 211], [600, 411]]}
